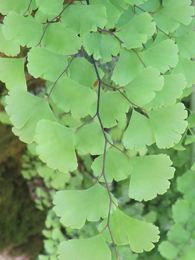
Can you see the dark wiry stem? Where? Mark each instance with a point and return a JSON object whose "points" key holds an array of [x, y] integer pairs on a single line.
{"points": [[104, 154]]}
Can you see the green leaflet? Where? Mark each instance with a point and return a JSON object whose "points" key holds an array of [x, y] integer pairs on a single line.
{"points": [[75, 207], [186, 45], [138, 234], [173, 13], [90, 132], [165, 125], [86, 249], [19, 6], [113, 108], [61, 40], [92, 16], [127, 68], [10, 48], [83, 72], [141, 27], [102, 46], [138, 133], [168, 124], [45, 64], [186, 67], [113, 13], [54, 179], [12, 73], [168, 250], [185, 184], [144, 86], [25, 110], [161, 55], [49, 7], [55, 145], [172, 90], [67, 96], [146, 181], [25, 31], [118, 166]]}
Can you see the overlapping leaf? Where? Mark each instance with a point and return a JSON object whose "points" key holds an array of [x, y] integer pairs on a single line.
{"points": [[162, 55], [138, 133], [25, 31], [49, 7], [118, 166], [164, 125], [45, 64], [25, 110], [141, 27], [61, 40], [85, 137], [127, 68], [144, 86], [173, 13], [138, 234], [102, 46], [55, 145], [67, 96], [10, 48], [86, 249], [12, 73], [172, 90], [146, 181], [75, 207], [92, 16]]}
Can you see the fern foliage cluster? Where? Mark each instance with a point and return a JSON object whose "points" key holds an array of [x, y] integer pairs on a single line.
{"points": [[115, 74]]}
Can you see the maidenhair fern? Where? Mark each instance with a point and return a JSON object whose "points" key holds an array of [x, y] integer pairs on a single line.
{"points": [[115, 73]]}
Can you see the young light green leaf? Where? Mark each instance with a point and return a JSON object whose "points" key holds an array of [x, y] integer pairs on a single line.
{"points": [[50, 7], [86, 249], [172, 90], [61, 40], [138, 133], [10, 48], [186, 44], [143, 88], [69, 95], [141, 27], [118, 107], [168, 250], [138, 234], [25, 110], [162, 55], [45, 64], [186, 67], [146, 181], [12, 73], [185, 184], [85, 137], [173, 13], [55, 145], [113, 13], [168, 124], [25, 31], [75, 207], [19, 6], [83, 72], [118, 166], [127, 68], [101, 46], [92, 16]]}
